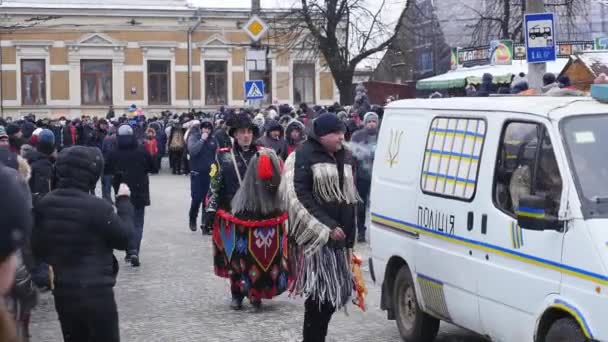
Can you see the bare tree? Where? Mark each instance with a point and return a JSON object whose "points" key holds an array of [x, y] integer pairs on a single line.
{"points": [[344, 32], [503, 19]]}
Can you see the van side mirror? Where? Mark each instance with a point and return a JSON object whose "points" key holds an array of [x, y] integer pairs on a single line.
{"points": [[532, 215]]}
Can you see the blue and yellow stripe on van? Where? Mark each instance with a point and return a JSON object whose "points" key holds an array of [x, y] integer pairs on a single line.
{"points": [[508, 253], [449, 179], [452, 156], [574, 312], [457, 133], [517, 236], [531, 212]]}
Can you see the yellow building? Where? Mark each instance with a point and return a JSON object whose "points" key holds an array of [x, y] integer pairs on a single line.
{"points": [[72, 57]]}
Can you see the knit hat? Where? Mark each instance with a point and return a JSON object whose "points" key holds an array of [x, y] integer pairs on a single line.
{"points": [[46, 142], [12, 129], [15, 211], [370, 116], [125, 130], [3, 132], [328, 123]]}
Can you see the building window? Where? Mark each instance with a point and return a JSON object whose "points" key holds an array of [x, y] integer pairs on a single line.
{"points": [[159, 82], [96, 82], [425, 61], [33, 81], [216, 82], [304, 83], [452, 157]]}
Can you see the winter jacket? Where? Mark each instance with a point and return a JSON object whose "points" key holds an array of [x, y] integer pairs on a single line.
{"points": [[86, 135], [278, 145], [79, 245], [314, 169], [130, 163], [75, 231], [108, 145], [63, 137], [202, 152], [41, 179], [224, 181], [363, 146]]}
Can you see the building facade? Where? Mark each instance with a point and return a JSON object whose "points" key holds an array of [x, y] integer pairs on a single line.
{"points": [[73, 58]]}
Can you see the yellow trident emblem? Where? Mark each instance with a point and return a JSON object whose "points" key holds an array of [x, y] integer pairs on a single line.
{"points": [[393, 147]]}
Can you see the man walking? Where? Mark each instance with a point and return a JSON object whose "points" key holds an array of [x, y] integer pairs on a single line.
{"points": [[80, 246], [364, 143], [129, 163], [319, 189], [202, 147]]}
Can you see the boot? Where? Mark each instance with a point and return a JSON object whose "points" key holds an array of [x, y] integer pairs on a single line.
{"points": [[135, 261], [257, 304], [236, 304], [193, 225]]}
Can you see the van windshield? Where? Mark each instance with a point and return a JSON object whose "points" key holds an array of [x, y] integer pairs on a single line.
{"points": [[587, 145]]}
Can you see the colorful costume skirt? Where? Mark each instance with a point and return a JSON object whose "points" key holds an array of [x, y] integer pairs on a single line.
{"points": [[253, 254]]}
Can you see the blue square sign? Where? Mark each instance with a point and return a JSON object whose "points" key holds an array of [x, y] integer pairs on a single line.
{"points": [[254, 90], [540, 37]]}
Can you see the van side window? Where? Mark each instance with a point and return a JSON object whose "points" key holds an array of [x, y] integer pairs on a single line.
{"points": [[525, 168], [452, 157]]}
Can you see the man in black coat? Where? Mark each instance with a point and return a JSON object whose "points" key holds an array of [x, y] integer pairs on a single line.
{"points": [[202, 147], [129, 163], [41, 162], [76, 233], [319, 188]]}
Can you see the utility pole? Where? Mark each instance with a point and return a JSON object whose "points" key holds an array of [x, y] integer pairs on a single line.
{"points": [[535, 70]]}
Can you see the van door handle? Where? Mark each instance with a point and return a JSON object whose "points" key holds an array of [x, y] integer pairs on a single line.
{"points": [[470, 221], [484, 224]]}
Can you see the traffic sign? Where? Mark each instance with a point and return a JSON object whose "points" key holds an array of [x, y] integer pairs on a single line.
{"points": [[540, 37], [254, 90], [255, 28]]}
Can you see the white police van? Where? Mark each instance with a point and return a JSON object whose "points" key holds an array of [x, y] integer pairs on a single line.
{"points": [[492, 214]]}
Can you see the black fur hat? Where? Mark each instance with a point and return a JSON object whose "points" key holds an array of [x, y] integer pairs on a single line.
{"points": [[243, 121]]}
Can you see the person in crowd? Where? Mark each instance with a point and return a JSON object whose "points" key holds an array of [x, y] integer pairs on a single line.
{"points": [[226, 178], [294, 136], [486, 87], [86, 132], [273, 138], [129, 163], [161, 140], [221, 133], [202, 147], [4, 143], [16, 218], [364, 143], [152, 147], [63, 136], [319, 189], [41, 161], [176, 147], [15, 137], [549, 82], [84, 297], [110, 115], [108, 145], [101, 131]]}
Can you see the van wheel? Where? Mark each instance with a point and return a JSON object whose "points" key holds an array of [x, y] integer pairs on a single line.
{"points": [[565, 330], [413, 323]]}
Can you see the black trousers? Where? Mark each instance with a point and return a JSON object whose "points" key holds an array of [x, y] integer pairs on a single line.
{"points": [[176, 158], [363, 186], [87, 315], [316, 320]]}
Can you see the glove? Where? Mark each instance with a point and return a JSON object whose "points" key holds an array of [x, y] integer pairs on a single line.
{"points": [[123, 190]]}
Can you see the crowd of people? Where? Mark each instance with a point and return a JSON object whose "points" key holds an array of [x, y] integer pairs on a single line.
{"points": [[50, 167]]}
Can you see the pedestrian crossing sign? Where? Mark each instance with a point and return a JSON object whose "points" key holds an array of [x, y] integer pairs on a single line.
{"points": [[254, 90]]}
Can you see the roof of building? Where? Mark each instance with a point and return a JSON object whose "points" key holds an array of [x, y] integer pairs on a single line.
{"points": [[546, 106], [502, 74], [106, 4], [596, 61]]}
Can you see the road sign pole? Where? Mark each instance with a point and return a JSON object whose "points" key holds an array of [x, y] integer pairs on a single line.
{"points": [[536, 71]]}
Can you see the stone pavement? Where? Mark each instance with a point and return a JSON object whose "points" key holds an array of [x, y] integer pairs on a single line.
{"points": [[174, 296]]}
